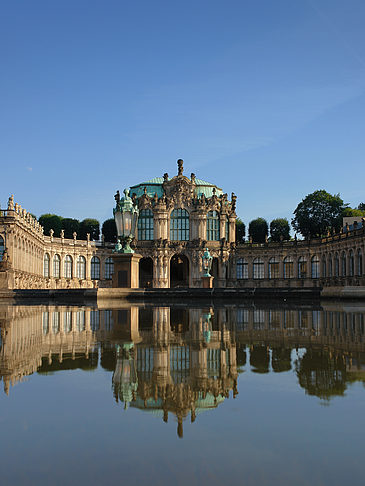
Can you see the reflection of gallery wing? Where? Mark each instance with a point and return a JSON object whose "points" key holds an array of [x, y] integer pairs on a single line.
{"points": [[54, 338]]}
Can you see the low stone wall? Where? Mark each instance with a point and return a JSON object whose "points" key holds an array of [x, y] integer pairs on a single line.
{"points": [[105, 296]]}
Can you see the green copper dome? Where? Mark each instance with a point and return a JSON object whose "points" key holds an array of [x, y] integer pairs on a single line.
{"points": [[154, 186]]}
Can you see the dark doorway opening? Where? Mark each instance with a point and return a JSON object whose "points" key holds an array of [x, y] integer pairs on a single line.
{"points": [[179, 319], [145, 273], [179, 271], [214, 271]]}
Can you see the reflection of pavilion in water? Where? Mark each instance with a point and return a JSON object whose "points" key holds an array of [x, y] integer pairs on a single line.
{"points": [[181, 365], [182, 361]]}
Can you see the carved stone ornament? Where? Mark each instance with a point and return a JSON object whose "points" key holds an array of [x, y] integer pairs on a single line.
{"points": [[11, 202]]}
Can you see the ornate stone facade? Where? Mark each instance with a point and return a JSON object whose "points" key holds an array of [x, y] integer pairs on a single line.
{"points": [[178, 218]]}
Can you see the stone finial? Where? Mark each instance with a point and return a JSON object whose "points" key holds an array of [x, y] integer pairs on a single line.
{"points": [[234, 201], [117, 197], [51, 232], [62, 233], [88, 237], [214, 191], [155, 197], [192, 177], [11, 202], [74, 234], [165, 177], [180, 165], [145, 190]]}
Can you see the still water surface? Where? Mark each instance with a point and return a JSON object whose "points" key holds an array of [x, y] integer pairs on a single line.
{"points": [[242, 394]]}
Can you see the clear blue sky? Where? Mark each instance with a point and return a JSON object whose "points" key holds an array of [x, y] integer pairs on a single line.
{"points": [[264, 98]]}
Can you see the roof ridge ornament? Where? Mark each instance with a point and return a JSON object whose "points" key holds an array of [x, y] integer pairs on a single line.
{"points": [[180, 164]]}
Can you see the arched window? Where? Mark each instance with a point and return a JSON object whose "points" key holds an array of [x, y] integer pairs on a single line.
{"points": [[337, 266], [351, 264], [56, 322], [213, 233], [315, 267], [46, 265], [2, 248], [179, 225], [343, 264], [324, 266], [274, 268], [330, 266], [56, 266], [359, 262], [68, 266], [288, 267], [242, 268], [302, 267], [45, 323], [109, 268], [145, 225], [95, 268], [258, 268], [81, 267], [80, 320], [67, 321], [94, 320]]}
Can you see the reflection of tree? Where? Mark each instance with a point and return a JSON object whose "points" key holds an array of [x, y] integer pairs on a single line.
{"points": [[281, 359], [241, 355], [69, 362], [107, 357], [322, 374], [260, 358]]}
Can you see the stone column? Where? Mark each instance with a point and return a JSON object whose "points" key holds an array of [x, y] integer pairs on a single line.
{"points": [[232, 228]]}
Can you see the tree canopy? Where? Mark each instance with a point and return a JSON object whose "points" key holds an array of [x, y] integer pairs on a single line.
{"points": [[258, 230], [279, 229], [240, 230], [70, 225], [91, 226], [51, 221], [352, 212], [109, 230], [317, 213]]}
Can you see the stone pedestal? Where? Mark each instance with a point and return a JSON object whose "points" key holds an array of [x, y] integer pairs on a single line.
{"points": [[126, 270], [207, 282]]}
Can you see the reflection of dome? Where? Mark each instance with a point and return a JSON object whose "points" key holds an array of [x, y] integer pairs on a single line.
{"points": [[156, 406]]}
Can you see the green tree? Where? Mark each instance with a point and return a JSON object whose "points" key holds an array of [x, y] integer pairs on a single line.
{"points": [[69, 226], [109, 230], [258, 230], [91, 226], [51, 221], [240, 230], [352, 212], [317, 213], [361, 206], [279, 229]]}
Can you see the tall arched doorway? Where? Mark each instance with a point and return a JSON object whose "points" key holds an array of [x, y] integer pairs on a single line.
{"points": [[145, 273], [179, 271], [214, 271]]}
